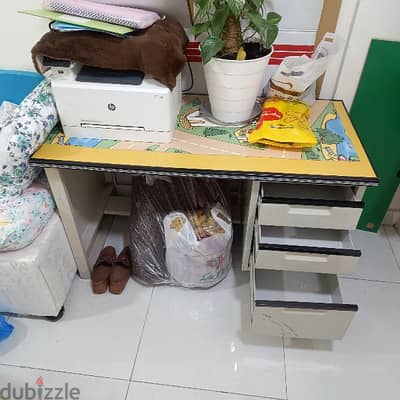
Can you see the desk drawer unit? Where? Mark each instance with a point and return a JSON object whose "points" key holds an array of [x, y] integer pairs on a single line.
{"points": [[305, 250], [299, 305], [309, 206]]}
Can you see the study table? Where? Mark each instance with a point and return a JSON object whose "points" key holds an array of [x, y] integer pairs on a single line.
{"points": [[299, 206]]}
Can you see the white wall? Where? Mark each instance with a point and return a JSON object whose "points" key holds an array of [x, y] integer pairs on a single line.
{"points": [[176, 8], [18, 34], [374, 20]]}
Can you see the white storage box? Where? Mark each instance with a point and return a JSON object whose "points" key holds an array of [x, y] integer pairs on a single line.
{"points": [[309, 206], [36, 280], [305, 250], [299, 305]]}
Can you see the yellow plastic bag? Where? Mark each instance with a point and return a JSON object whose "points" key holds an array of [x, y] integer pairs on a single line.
{"points": [[284, 124]]}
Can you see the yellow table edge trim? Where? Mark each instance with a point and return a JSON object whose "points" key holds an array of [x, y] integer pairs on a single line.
{"points": [[137, 159]]}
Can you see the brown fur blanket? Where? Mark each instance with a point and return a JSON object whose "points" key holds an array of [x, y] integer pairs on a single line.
{"points": [[158, 51]]}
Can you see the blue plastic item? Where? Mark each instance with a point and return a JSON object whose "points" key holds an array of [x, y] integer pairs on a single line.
{"points": [[65, 27], [5, 329], [16, 85]]}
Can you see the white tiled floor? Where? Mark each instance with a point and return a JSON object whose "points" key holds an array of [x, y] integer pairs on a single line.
{"points": [[200, 340], [378, 262], [97, 336], [172, 344], [89, 387]]}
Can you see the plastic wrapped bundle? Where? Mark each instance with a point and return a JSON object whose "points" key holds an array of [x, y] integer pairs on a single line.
{"points": [[131, 17], [180, 232]]}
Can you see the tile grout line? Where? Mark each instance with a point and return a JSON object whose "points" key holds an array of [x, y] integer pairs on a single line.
{"points": [[57, 371], [140, 343], [284, 367], [136, 381], [368, 280], [207, 390]]}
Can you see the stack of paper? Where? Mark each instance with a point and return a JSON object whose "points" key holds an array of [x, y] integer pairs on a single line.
{"points": [[85, 23]]}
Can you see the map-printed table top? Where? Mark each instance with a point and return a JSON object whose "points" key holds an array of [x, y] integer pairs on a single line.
{"points": [[201, 147]]}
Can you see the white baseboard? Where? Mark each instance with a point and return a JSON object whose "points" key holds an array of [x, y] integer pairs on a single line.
{"points": [[393, 235], [392, 218]]}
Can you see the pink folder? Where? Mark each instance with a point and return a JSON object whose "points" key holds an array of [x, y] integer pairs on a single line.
{"points": [[126, 16]]}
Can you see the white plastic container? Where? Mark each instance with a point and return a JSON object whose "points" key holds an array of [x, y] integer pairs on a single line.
{"points": [[36, 280], [233, 86]]}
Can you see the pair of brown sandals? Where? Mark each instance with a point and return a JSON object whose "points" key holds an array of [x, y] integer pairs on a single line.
{"points": [[111, 272]]}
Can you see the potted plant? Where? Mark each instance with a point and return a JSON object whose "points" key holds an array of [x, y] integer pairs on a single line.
{"points": [[237, 46]]}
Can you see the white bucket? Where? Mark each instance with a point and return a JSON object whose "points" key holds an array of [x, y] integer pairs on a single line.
{"points": [[233, 86]]}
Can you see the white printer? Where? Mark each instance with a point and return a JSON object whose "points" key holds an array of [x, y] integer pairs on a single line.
{"points": [[115, 105]]}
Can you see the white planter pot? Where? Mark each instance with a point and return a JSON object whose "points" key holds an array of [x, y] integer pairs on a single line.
{"points": [[233, 86]]}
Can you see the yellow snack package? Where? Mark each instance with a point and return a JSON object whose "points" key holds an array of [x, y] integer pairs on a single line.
{"points": [[284, 124]]}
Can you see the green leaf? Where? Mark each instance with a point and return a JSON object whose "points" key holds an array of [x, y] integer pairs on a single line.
{"points": [[213, 14], [202, 4], [218, 22], [203, 7], [268, 31], [236, 6], [198, 29], [273, 18], [258, 21], [272, 34], [211, 47], [257, 3]]}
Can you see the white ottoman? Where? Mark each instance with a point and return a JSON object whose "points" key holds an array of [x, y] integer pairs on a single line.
{"points": [[36, 280]]}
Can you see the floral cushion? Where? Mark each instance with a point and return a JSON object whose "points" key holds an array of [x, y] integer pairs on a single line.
{"points": [[23, 218], [6, 113], [32, 121]]}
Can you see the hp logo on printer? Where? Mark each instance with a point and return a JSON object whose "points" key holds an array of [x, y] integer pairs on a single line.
{"points": [[112, 107]]}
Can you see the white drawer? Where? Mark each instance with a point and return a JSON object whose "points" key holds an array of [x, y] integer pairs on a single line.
{"points": [[299, 305], [309, 206], [305, 250]]}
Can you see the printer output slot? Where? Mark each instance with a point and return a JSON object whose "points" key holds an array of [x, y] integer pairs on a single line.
{"points": [[113, 127]]}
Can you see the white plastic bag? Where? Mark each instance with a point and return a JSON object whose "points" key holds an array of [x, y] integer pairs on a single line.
{"points": [[296, 77], [198, 247]]}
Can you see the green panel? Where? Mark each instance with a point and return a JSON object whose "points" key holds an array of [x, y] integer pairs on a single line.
{"points": [[376, 116]]}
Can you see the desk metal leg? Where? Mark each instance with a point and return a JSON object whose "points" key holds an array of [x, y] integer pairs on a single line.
{"points": [[81, 199], [252, 191]]}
